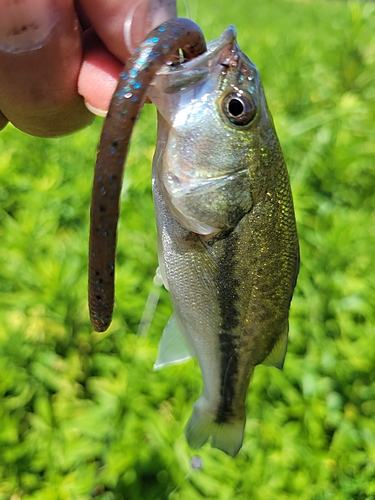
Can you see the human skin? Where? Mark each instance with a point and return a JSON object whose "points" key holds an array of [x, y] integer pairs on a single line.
{"points": [[59, 57]]}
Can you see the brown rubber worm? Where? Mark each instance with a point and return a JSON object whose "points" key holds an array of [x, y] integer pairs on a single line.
{"points": [[127, 101]]}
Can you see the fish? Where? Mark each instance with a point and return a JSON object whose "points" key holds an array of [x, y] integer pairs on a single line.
{"points": [[161, 46], [227, 238]]}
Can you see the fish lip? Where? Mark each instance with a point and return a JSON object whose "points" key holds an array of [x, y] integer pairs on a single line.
{"points": [[189, 188], [201, 63]]}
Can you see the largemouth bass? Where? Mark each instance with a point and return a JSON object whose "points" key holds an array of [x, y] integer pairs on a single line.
{"points": [[228, 247]]}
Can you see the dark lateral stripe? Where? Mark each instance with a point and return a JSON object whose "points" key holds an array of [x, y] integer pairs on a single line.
{"points": [[229, 320]]}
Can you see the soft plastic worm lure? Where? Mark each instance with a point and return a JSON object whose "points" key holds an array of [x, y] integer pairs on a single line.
{"points": [[127, 101]]}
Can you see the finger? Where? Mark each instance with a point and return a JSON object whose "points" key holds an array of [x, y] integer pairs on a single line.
{"points": [[121, 25], [99, 74], [40, 58]]}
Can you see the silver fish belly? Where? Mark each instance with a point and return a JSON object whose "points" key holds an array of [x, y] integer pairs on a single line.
{"points": [[228, 247]]}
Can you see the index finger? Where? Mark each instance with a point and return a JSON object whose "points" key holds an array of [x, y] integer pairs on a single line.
{"points": [[118, 27]]}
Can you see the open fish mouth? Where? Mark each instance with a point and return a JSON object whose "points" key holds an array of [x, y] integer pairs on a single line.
{"points": [[203, 187], [219, 51]]}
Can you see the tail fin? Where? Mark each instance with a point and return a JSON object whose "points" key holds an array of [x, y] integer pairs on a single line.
{"points": [[227, 437]]}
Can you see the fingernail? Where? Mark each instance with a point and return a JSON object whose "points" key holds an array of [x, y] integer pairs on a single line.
{"points": [[26, 25], [143, 17], [96, 111], [161, 11]]}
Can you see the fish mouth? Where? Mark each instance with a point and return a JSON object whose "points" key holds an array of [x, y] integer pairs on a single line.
{"points": [[177, 186], [219, 52]]}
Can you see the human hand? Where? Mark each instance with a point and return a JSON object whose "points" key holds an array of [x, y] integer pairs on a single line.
{"points": [[55, 55]]}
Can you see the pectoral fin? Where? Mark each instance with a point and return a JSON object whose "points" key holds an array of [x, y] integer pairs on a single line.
{"points": [[277, 356], [172, 347], [160, 271]]}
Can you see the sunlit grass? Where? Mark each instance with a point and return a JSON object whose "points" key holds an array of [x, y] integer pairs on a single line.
{"points": [[82, 415]]}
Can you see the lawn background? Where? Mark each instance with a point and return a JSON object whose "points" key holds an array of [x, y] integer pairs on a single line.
{"points": [[82, 414]]}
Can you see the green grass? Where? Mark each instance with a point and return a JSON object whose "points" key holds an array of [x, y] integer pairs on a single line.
{"points": [[82, 415]]}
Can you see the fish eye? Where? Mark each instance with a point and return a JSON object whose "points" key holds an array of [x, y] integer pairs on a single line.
{"points": [[239, 108]]}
